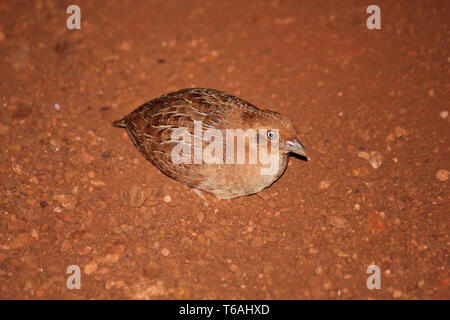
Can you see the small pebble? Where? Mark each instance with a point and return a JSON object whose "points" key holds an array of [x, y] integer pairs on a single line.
{"points": [[67, 200], [442, 175], [165, 252], [324, 184], [167, 199], [137, 196], [375, 160], [361, 172], [328, 285], [400, 132], [57, 107], [234, 268], [364, 155], [110, 259], [444, 114], [34, 233], [319, 270], [391, 137], [84, 251], [90, 268], [397, 294], [17, 168], [338, 222], [125, 46]]}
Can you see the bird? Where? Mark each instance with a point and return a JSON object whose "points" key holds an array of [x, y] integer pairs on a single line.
{"points": [[196, 116]]}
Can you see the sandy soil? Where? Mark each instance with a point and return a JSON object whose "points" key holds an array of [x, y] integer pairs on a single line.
{"points": [[369, 106]]}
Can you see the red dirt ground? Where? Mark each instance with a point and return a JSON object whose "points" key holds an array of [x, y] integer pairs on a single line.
{"points": [[75, 191]]}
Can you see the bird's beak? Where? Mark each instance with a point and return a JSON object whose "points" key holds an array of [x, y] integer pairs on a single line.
{"points": [[294, 146]]}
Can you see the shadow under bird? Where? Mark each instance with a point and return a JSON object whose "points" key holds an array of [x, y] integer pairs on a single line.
{"points": [[152, 125]]}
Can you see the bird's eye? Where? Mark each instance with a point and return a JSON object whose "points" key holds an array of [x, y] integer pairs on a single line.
{"points": [[271, 135]]}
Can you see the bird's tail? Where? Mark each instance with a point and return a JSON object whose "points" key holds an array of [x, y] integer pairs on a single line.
{"points": [[120, 123]]}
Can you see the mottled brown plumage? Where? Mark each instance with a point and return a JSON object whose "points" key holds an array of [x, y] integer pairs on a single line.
{"points": [[151, 125]]}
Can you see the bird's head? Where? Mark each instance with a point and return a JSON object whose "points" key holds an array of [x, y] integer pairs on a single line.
{"points": [[280, 131]]}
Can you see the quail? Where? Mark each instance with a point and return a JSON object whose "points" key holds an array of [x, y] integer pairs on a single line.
{"points": [[196, 120]]}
